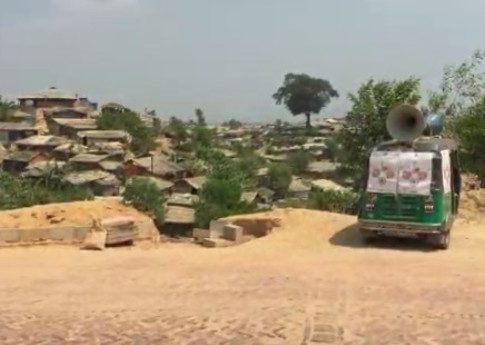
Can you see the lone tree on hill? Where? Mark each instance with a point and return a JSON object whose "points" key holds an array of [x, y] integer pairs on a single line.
{"points": [[199, 114], [303, 94]]}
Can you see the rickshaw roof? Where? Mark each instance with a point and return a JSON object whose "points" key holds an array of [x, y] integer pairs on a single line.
{"points": [[423, 144]]}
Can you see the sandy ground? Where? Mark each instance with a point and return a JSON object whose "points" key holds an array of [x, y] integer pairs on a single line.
{"points": [[312, 281], [67, 214]]}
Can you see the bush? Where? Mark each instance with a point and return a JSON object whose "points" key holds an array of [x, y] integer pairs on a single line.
{"points": [[279, 177], [470, 130], [143, 137], [334, 201], [221, 195], [145, 196], [18, 192], [299, 161]]}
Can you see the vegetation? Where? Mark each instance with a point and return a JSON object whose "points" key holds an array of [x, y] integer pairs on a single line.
{"points": [[279, 176], [143, 137], [199, 114], [221, 195], [334, 201], [6, 109], [470, 131], [177, 131], [145, 196], [16, 192], [233, 124], [302, 94], [299, 161], [366, 122]]}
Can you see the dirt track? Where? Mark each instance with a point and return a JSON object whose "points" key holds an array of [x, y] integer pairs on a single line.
{"points": [[310, 282]]}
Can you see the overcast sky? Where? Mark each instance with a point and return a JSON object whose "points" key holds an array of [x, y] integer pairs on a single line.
{"points": [[227, 56]]}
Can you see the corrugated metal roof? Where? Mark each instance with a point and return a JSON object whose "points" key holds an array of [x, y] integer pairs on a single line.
{"points": [[160, 183], [88, 158], [41, 140], [51, 93], [326, 185], [16, 126], [104, 134], [179, 215], [83, 177], [22, 156], [196, 182], [77, 123], [111, 165], [161, 165]]}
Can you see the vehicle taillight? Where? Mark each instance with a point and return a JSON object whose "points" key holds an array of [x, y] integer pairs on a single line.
{"points": [[370, 201], [429, 205]]}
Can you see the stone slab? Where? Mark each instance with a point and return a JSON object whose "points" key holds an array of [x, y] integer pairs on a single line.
{"points": [[10, 235], [217, 243], [233, 232], [216, 228]]}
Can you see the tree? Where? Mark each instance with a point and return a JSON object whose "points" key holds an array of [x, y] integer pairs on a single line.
{"points": [[201, 140], [6, 109], [299, 161], [279, 176], [220, 196], [145, 196], [366, 122], [462, 86], [199, 114], [177, 130], [233, 124], [470, 132], [303, 94], [143, 137]]}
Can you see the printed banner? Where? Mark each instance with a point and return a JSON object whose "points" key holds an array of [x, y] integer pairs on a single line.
{"points": [[400, 172], [415, 173], [383, 169]]}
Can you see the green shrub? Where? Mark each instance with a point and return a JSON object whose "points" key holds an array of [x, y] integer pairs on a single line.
{"points": [[18, 192], [143, 137], [470, 130], [145, 196], [299, 161], [220, 196], [279, 177], [334, 201]]}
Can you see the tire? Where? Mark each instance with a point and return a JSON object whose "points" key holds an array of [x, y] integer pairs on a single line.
{"points": [[441, 241]]}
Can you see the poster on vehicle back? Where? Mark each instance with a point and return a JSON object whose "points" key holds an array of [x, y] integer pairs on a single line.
{"points": [[415, 170], [383, 169]]}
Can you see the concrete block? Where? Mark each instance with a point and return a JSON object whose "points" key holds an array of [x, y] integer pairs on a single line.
{"points": [[200, 234], [66, 234], [9, 235], [216, 228], [32, 235], [233, 232], [81, 233], [217, 243]]}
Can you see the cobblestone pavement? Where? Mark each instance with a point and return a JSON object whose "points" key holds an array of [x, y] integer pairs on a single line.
{"points": [[327, 288]]}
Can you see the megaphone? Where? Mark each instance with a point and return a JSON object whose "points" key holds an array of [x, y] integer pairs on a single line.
{"points": [[405, 123]]}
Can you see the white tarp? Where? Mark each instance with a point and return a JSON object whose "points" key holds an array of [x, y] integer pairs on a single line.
{"points": [[383, 168], [446, 164], [415, 172], [400, 172]]}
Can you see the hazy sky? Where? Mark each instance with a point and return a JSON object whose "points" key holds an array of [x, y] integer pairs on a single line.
{"points": [[226, 56]]}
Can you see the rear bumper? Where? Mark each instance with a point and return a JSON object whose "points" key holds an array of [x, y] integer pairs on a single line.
{"points": [[400, 229]]}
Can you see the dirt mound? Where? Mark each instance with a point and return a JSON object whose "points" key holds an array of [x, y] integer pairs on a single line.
{"points": [[293, 228], [67, 214], [472, 205]]}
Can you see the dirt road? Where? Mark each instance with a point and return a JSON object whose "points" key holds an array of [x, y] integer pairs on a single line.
{"points": [[312, 281]]}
